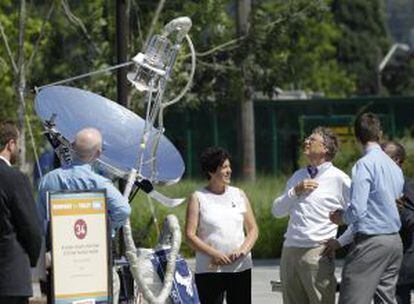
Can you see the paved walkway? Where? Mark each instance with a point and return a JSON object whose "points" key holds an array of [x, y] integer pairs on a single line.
{"points": [[265, 271]]}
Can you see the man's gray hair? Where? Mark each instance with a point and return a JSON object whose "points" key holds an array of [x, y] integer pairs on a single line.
{"points": [[88, 142], [395, 150], [330, 141]]}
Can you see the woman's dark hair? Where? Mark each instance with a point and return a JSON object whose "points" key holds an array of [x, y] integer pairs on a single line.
{"points": [[367, 128], [212, 158]]}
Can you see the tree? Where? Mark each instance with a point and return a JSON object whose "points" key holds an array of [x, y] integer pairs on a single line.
{"points": [[295, 48], [17, 69], [398, 77], [400, 20], [364, 40], [291, 45]]}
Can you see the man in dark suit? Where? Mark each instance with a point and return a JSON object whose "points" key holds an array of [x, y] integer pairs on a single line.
{"points": [[406, 208], [20, 231]]}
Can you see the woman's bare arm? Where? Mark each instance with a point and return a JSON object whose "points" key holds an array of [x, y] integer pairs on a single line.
{"points": [[252, 232]]}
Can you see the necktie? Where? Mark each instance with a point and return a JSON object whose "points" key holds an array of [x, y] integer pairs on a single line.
{"points": [[312, 171]]}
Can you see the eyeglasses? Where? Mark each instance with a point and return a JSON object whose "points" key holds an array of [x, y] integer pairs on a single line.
{"points": [[311, 139]]}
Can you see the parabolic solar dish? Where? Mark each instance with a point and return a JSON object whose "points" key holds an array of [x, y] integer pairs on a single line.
{"points": [[122, 131]]}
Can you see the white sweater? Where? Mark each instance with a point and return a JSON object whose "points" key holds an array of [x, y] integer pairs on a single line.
{"points": [[309, 223]]}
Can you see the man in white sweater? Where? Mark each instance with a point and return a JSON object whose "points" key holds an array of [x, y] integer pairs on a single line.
{"points": [[307, 271]]}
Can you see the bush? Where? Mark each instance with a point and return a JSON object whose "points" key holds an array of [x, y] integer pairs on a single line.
{"points": [[271, 230], [408, 166]]}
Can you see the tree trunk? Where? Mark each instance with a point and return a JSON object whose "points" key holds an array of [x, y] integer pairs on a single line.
{"points": [[247, 107], [122, 48], [20, 86], [122, 82]]}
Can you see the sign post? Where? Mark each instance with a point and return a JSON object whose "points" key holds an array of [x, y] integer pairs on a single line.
{"points": [[80, 247]]}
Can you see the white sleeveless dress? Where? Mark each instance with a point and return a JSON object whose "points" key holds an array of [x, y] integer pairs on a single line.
{"points": [[220, 224]]}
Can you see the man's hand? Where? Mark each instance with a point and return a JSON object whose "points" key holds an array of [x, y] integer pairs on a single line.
{"points": [[400, 203], [305, 186], [336, 217], [331, 246]]}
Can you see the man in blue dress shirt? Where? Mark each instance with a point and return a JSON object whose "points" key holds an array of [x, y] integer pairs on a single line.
{"points": [[79, 176], [371, 267]]}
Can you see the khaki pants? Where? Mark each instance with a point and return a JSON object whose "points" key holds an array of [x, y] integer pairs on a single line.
{"points": [[307, 278]]}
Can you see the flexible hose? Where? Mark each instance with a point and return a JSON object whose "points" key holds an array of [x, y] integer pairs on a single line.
{"points": [[173, 227]]}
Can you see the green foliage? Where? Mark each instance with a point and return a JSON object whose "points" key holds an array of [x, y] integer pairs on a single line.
{"points": [[408, 167], [398, 76], [9, 18], [364, 40], [271, 230], [144, 230], [296, 48], [349, 152], [290, 45], [75, 41], [82, 40]]}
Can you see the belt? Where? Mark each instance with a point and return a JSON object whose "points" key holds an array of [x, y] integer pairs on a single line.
{"points": [[360, 237]]}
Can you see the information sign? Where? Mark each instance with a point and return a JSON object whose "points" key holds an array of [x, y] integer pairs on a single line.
{"points": [[80, 247]]}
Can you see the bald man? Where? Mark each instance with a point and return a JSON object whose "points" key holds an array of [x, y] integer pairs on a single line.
{"points": [[79, 176]]}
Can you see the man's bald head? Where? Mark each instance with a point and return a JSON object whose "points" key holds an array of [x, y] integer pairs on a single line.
{"points": [[394, 150], [88, 144]]}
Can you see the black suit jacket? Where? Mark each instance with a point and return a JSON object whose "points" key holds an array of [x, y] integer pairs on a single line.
{"points": [[20, 232], [407, 234]]}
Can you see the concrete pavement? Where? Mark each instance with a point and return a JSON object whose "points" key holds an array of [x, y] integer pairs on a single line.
{"points": [[263, 272]]}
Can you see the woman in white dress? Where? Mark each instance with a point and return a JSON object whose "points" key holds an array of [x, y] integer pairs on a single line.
{"points": [[221, 227]]}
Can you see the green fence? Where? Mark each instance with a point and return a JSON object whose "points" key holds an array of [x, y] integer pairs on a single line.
{"points": [[280, 126]]}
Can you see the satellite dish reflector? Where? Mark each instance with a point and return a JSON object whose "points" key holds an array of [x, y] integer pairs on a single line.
{"points": [[121, 129]]}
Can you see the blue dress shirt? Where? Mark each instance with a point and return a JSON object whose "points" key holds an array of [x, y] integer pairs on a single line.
{"points": [[376, 183], [80, 176]]}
